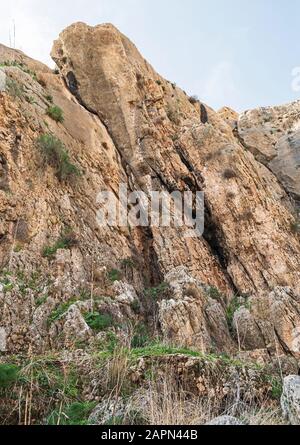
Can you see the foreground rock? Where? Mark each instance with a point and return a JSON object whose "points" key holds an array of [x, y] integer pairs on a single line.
{"points": [[290, 401], [225, 420], [272, 135]]}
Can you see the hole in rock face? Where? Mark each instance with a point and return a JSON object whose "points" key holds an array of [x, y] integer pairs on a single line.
{"points": [[72, 83]]}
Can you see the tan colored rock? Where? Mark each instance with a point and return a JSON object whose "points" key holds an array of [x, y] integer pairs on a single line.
{"points": [[272, 135], [187, 153], [123, 123], [230, 116], [190, 317], [273, 322]]}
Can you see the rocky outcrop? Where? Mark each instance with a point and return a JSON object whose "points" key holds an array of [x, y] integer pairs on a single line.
{"points": [[2, 81], [272, 135], [225, 421], [124, 124], [191, 317], [189, 154], [290, 401], [271, 322]]}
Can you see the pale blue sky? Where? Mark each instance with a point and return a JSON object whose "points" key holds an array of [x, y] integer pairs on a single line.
{"points": [[238, 53]]}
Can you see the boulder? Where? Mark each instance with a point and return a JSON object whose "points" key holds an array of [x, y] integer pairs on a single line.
{"points": [[109, 412], [225, 420], [290, 400]]}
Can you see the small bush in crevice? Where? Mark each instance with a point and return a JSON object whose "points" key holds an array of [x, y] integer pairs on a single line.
{"points": [[215, 294], [98, 322], [66, 241], [75, 414], [60, 310], [114, 275], [56, 113], [49, 98], [295, 227], [8, 375], [157, 293], [57, 155], [140, 337], [229, 173], [14, 89]]}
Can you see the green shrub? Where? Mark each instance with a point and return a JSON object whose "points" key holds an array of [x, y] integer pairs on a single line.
{"points": [[236, 303], [30, 99], [114, 275], [98, 322], [8, 375], [215, 294], [277, 387], [140, 338], [66, 241], [75, 414], [295, 226], [128, 263], [158, 292], [57, 155], [56, 113], [14, 88], [136, 306], [49, 98], [60, 310]]}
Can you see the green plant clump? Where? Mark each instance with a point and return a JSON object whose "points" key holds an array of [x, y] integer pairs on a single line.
{"points": [[56, 113], [75, 414], [49, 98], [14, 88], [8, 375], [98, 322], [57, 155], [60, 310], [114, 275], [140, 338], [64, 242], [158, 292]]}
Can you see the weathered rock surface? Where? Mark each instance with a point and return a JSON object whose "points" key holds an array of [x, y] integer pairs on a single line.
{"points": [[271, 322], [225, 420], [123, 123], [2, 80], [191, 317], [108, 411], [130, 105], [290, 401], [272, 135]]}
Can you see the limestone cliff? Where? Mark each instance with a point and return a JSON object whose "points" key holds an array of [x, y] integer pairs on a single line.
{"points": [[237, 287]]}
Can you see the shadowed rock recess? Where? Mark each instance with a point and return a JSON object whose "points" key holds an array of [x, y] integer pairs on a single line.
{"points": [[105, 117]]}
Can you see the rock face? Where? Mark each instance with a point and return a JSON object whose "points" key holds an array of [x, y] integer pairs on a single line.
{"points": [[191, 317], [290, 401], [2, 81], [125, 124], [225, 420], [272, 135], [271, 322]]}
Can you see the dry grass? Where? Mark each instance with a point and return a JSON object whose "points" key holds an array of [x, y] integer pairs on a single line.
{"points": [[164, 404]]}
